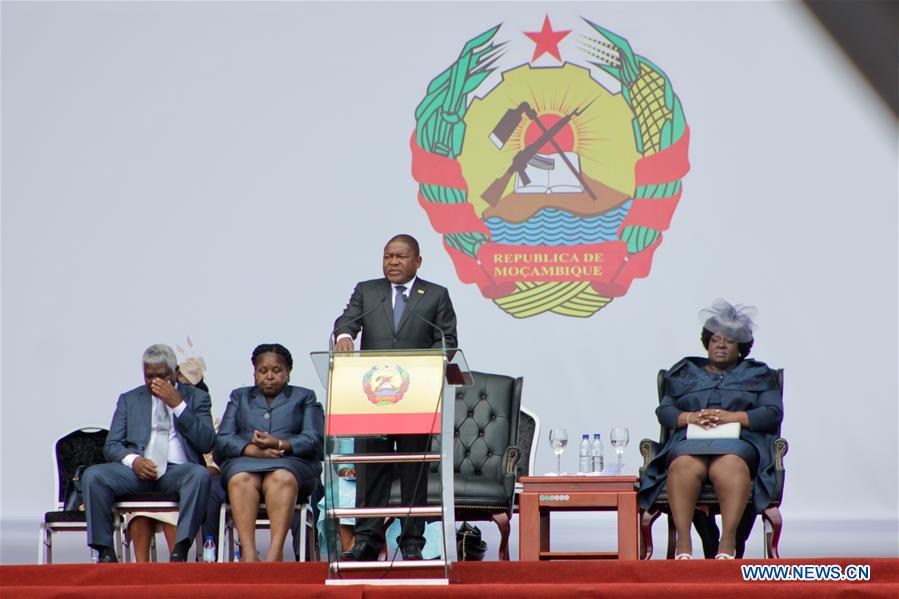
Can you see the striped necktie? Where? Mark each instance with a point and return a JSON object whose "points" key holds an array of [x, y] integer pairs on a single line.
{"points": [[399, 304]]}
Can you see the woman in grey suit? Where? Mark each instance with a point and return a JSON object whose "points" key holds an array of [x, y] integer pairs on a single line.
{"points": [[270, 447]]}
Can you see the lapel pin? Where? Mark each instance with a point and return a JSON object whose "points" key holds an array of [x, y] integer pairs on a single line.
{"points": [[421, 291]]}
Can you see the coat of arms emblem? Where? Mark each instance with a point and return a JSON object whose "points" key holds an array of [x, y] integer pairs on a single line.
{"points": [[385, 385], [551, 181]]}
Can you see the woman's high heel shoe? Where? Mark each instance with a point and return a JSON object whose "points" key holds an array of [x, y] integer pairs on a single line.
{"points": [[684, 556], [725, 556]]}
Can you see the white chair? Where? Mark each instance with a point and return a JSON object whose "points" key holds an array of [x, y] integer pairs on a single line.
{"points": [[152, 501], [81, 447], [307, 540], [528, 442]]}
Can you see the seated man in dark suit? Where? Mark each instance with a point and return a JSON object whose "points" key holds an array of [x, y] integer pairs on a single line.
{"points": [[156, 442], [398, 311]]}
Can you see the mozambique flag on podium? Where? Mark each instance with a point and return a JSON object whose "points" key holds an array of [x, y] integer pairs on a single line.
{"points": [[385, 394]]}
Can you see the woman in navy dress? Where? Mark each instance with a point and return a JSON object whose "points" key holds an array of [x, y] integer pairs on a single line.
{"points": [[270, 449], [725, 387]]}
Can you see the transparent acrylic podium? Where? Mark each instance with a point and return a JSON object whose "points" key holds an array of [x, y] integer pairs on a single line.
{"points": [[391, 392]]}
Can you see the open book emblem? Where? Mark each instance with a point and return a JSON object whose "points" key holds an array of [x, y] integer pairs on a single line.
{"points": [[545, 177]]}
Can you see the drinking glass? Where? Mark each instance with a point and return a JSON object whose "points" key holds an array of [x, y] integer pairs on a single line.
{"points": [[558, 439], [619, 437]]}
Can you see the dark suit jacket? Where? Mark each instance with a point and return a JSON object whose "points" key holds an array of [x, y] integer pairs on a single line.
{"points": [[750, 386], [130, 428], [428, 300], [294, 415]]}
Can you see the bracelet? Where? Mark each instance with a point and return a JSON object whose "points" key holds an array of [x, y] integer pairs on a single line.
{"points": [[279, 444]]}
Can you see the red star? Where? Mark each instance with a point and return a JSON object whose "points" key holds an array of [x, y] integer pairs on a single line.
{"points": [[547, 40]]}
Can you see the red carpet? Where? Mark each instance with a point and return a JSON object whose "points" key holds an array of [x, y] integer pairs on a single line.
{"points": [[494, 580]]}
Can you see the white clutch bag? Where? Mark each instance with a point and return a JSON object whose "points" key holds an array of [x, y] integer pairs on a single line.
{"points": [[731, 430]]}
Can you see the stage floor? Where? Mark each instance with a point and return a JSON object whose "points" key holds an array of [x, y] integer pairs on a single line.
{"points": [[495, 580]]}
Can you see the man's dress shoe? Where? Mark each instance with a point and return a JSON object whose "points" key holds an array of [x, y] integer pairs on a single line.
{"points": [[411, 554], [180, 551], [361, 552], [106, 555]]}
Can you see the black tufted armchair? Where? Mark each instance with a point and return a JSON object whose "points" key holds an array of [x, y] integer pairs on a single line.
{"points": [[707, 504], [485, 453]]}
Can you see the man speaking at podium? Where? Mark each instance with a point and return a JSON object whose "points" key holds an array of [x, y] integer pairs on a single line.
{"points": [[399, 311]]}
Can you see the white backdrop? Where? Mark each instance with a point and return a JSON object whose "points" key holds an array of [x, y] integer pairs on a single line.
{"points": [[229, 170]]}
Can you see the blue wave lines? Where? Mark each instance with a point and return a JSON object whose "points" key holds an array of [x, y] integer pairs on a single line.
{"points": [[554, 227]]}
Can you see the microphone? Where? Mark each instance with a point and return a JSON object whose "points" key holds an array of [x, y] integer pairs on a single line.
{"points": [[331, 339], [428, 322], [454, 374]]}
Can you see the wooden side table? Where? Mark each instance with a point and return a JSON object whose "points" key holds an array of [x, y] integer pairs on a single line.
{"points": [[542, 495]]}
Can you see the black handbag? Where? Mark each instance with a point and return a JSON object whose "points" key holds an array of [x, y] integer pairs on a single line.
{"points": [[469, 544], [73, 500]]}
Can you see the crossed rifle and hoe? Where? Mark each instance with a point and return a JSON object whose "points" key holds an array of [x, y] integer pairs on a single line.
{"points": [[504, 130]]}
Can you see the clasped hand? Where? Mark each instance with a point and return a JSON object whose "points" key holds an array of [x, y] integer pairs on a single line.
{"points": [[263, 445], [144, 468], [712, 417]]}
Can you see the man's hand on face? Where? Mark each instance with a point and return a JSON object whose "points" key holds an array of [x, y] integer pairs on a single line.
{"points": [[144, 468], [167, 392]]}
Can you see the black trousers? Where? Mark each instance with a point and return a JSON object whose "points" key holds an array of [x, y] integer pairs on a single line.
{"points": [[373, 483]]}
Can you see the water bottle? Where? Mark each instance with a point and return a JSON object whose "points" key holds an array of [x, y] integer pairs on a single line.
{"points": [[596, 451], [209, 554], [237, 550], [585, 461]]}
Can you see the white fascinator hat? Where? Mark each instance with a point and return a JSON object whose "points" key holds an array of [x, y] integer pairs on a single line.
{"points": [[732, 321]]}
